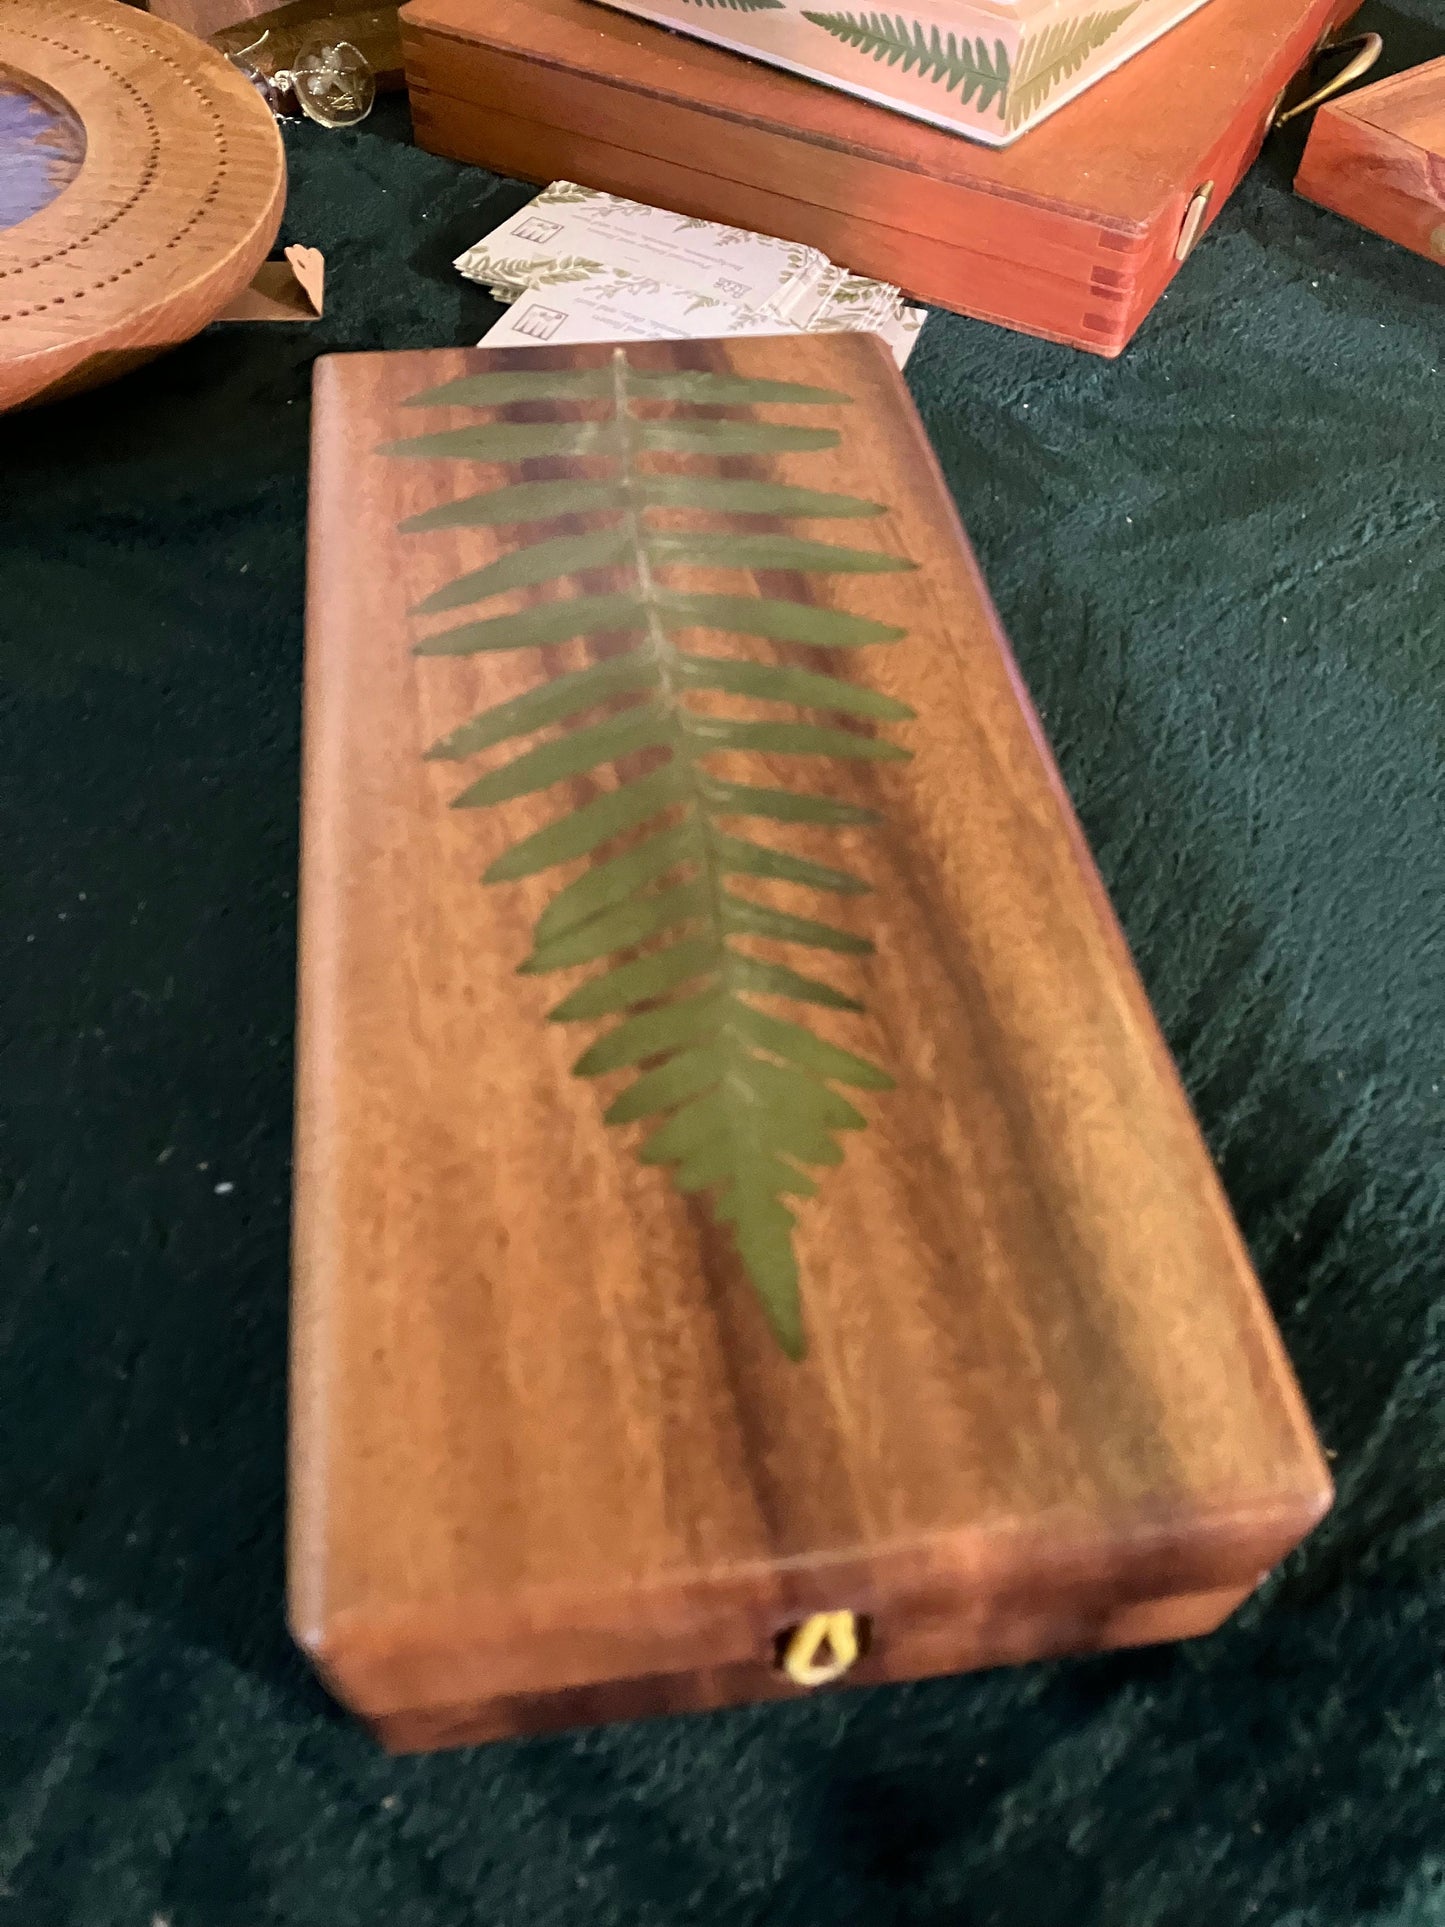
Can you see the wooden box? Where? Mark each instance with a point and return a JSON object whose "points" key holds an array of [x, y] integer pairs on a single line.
{"points": [[1072, 234], [566, 1445], [990, 69], [1378, 157]]}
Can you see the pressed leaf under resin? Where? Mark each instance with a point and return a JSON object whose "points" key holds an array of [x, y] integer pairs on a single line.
{"points": [[740, 1100]]}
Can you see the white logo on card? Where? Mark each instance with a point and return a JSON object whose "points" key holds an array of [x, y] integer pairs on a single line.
{"points": [[538, 230]]}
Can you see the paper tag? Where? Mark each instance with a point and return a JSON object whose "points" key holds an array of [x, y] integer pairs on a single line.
{"points": [[636, 310], [570, 233], [291, 289]]}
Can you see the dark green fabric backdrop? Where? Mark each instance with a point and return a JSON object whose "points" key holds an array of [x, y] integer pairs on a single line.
{"points": [[1220, 561]]}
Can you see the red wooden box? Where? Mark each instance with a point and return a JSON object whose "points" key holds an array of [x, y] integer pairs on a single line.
{"points": [[1072, 234], [1378, 158]]}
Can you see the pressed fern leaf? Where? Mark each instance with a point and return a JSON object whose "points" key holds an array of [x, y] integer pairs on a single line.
{"points": [[738, 1101], [741, 6], [1050, 58], [964, 64]]}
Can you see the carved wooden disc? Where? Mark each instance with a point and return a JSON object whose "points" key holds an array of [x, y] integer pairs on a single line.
{"points": [[174, 206]]}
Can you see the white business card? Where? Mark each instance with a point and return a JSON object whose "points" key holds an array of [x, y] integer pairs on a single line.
{"points": [[638, 310], [624, 310], [570, 234]]}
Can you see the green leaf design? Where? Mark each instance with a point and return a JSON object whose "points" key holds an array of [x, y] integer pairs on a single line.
{"points": [[535, 628], [1047, 59], [524, 568], [568, 194], [502, 442], [780, 806], [956, 63], [780, 682], [643, 727], [549, 702], [509, 274], [740, 6], [772, 620], [545, 501], [611, 814], [730, 550], [729, 438], [790, 739], [729, 497], [616, 879], [720, 391], [738, 1100], [634, 983], [499, 386]]}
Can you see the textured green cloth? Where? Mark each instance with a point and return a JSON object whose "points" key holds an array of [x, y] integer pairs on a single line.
{"points": [[1220, 562]]}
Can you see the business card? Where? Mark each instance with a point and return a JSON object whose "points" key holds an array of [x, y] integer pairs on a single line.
{"points": [[570, 234], [637, 310], [625, 310]]}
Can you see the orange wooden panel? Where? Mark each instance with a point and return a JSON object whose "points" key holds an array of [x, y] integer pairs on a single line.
{"points": [[1378, 157], [549, 1460]]}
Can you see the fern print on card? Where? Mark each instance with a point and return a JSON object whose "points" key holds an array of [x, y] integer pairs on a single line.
{"points": [[1052, 55], [979, 73], [742, 1102], [987, 68]]}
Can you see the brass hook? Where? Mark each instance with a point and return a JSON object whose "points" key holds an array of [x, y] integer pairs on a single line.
{"points": [[1370, 46]]}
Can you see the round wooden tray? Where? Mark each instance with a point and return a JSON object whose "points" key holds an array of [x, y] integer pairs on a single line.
{"points": [[174, 207]]}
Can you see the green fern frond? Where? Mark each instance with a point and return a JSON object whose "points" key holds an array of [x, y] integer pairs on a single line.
{"points": [[545, 501], [741, 6], [516, 271], [1050, 58], [738, 1101], [568, 194], [965, 64]]}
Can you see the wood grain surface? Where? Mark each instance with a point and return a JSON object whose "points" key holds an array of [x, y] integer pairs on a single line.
{"points": [[175, 206], [548, 1462], [1071, 234], [1377, 156]]}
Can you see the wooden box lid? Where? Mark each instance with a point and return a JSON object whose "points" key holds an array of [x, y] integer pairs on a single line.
{"points": [[1073, 233], [991, 69], [1377, 156], [552, 1459]]}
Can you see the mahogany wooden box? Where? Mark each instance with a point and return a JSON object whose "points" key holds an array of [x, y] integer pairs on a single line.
{"points": [[1073, 233], [565, 1447], [1377, 156]]}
